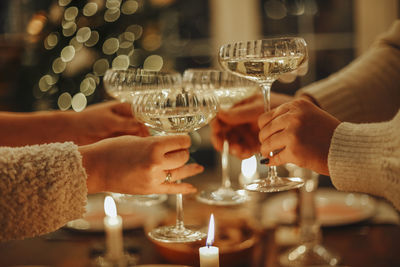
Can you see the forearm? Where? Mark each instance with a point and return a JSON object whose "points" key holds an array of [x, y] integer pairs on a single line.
{"points": [[90, 162], [20, 129], [368, 90]]}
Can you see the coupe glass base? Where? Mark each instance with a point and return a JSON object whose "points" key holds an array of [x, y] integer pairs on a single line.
{"points": [[174, 234], [140, 200], [308, 255], [223, 197], [274, 184]]}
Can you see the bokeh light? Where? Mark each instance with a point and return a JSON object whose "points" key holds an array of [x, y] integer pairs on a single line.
{"points": [[90, 9], [151, 41], [153, 62], [68, 53], [46, 82], [71, 13], [64, 2], [69, 28], [58, 65], [94, 77], [100, 67], [36, 24], [111, 15], [121, 62], [64, 101], [129, 7], [83, 34], [127, 36], [110, 46], [93, 39], [137, 30], [275, 9], [79, 102], [77, 45], [51, 40], [88, 86], [113, 4]]}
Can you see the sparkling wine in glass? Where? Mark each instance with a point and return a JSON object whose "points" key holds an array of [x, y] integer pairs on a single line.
{"points": [[118, 84], [263, 61], [230, 89], [163, 103]]}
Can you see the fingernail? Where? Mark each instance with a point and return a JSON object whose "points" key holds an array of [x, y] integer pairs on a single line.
{"points": [[264, 161]]}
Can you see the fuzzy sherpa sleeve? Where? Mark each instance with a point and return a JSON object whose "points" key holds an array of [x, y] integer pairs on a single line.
{"points": [[368, 89], [366, 158], [42, 187]]}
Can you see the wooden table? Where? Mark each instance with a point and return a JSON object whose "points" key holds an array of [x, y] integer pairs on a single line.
{"points": [[360, 245]]}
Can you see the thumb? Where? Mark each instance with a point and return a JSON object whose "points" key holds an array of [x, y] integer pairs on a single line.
{"points": [[122, 109]]}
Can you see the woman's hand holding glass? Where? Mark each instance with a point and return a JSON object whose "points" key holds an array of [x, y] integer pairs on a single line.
{"points": [[301, 131], [138, 165]]}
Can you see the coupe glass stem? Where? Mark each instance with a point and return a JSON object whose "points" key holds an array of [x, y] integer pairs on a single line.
{"points": [[266, 90], [226, 180], [310, 251], [179, 212], [310, 231]]}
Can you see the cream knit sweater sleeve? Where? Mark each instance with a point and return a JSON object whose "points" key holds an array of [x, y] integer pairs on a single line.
{"points": [[368, 89], [366, 158], [42, 187]]}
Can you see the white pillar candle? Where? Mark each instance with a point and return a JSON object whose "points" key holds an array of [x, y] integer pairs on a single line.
{"points": [[113, 229], [209, 255]]}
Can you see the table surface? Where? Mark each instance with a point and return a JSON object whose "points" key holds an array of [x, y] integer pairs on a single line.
{"points": [[362, 244]]}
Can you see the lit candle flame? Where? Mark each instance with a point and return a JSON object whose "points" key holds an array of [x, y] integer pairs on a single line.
{"points": [[210, 234], [249, 167], [109, 207]]}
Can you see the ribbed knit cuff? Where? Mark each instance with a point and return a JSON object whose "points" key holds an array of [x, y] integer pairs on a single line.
{"points": [[362, 158]]}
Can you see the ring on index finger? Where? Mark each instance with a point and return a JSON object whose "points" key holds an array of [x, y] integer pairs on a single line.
{"points": [[168, 178]]}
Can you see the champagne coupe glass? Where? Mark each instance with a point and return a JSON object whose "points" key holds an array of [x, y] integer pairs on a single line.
{"points": [[310, 251], [263, 61], [162, 102], [119, 85], [229, 89]]}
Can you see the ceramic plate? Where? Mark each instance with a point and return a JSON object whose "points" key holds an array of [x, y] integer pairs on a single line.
{"points": [[133, 216], [333, 208]]}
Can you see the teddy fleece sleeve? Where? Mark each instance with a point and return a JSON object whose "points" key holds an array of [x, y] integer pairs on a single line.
{"points": [[368, 89], [42, 187], [366, 158]]}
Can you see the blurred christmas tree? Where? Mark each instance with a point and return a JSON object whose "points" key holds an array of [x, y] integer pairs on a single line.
{"points": [[70, 45]]}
